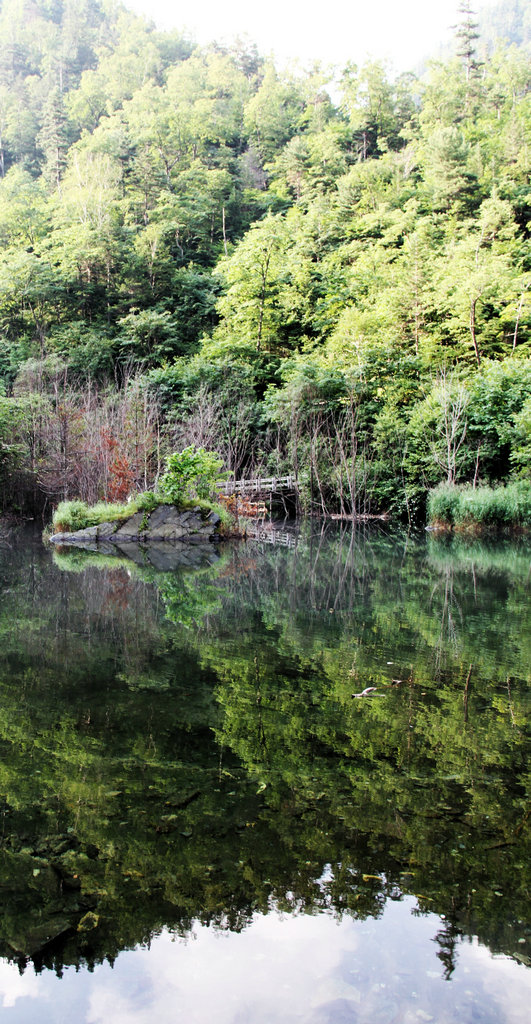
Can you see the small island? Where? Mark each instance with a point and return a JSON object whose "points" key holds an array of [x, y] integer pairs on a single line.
{"points": [[182, 508], [166, 523]]}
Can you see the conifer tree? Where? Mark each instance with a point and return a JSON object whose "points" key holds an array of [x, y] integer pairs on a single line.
{"points": [[53, 138], [467, 35]]}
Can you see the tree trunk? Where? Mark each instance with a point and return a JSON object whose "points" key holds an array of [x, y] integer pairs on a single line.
{"points": [[473, 330]]}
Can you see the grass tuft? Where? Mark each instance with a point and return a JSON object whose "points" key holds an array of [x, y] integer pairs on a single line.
{"points": [[481, 508]]}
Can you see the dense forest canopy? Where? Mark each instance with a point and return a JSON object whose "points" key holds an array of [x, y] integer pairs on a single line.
{"points": [[199, 248]]}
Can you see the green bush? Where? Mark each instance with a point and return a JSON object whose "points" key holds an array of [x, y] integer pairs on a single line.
{"points": [[227, 519], [192, 473], [518, 501], [496, 507], [104, 511], [477, 506], [148, 501]]}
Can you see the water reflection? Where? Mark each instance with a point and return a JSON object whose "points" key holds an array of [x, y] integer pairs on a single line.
{"points": [[182, 749], [298, 968]]}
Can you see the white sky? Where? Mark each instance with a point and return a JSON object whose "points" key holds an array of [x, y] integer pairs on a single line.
{"points": [[332, 31]]}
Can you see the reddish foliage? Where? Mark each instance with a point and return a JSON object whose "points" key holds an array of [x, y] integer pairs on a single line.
{"points": [[241, 506], [108, 441], [121, 478]]}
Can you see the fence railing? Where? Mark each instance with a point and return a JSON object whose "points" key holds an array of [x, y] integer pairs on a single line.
{"points": [[258, 485]]}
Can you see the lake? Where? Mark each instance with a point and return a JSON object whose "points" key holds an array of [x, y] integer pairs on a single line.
{"points": [[267, 781]]}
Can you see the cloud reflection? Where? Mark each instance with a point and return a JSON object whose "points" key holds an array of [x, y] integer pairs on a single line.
{"points": [[285, 969], [15, 986], [275, 966]]}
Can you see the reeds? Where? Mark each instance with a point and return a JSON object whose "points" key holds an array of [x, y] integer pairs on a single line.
{"points": [[464, 507]]}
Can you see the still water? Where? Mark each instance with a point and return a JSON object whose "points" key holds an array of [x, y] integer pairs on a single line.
{"points": [[204, 814]]}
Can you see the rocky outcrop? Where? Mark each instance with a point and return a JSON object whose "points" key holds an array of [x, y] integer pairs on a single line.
{"points": [[166, 523]]}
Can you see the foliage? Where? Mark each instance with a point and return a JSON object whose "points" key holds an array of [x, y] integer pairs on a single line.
{"points": [[200, 249], [191, 473], [482, 507], [77, 515], [225, 512], [147, 501], [521, 449], [496, 414]]}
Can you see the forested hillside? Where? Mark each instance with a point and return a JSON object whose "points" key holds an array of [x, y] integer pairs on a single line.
{"points": [[197, 248]]}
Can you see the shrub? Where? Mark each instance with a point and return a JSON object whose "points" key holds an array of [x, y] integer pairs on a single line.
{"points": [[496, 506], [103, 511], [518, 502], [477, 506], [147, 501], [227, 519], [191, 473]]}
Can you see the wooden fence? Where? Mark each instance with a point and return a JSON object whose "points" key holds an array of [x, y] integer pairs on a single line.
{"points": [[258, 485]]}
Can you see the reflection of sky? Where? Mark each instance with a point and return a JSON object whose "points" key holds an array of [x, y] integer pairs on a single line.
{"points": [[309, 970]]}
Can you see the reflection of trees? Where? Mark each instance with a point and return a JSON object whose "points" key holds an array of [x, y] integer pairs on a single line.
{"points": [[433, 767], [447, 938], [154, 774], [450, 616]]}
